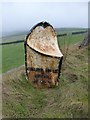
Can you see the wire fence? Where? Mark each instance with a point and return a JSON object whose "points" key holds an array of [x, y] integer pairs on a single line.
{"points": [[59, 35]]}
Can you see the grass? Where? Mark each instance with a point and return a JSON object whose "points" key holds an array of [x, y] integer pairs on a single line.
{"points": [[12, 56], [69, 30], [69, 40], [68, 100], [15, 37]]}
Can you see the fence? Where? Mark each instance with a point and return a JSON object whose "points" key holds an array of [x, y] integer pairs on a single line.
{"points": [[59, 35]]}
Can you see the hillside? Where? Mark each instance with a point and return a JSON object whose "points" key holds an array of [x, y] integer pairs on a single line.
{"points": [[68, 100]]}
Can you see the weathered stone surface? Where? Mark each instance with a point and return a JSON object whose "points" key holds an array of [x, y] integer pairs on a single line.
{"points": [[42, 56]]}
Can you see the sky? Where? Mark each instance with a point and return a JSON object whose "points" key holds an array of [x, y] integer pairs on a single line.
{"points": [[22, 16]]}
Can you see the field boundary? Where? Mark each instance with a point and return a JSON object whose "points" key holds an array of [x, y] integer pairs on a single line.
{"points": [[6, 43], [59, 35]]}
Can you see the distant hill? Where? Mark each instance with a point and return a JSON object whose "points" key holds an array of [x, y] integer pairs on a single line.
{"points": [[14, 36], [69, 30]]}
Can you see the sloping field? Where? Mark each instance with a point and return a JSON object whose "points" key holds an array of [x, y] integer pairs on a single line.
{"points": [[68, 100]]}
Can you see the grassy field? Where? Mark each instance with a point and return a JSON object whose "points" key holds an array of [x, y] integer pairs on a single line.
{"points": [[66, 41], [12, 56], [68, 100], [14, 37], [69, 30]]}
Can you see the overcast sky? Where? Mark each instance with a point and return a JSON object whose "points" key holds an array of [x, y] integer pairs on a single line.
{"points": [[21, 16]]}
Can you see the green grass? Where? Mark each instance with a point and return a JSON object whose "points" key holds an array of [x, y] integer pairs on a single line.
{"points": [[12, 56], [70, 39], [68, 100], [66, 41], [69, 30], [15, 37]]}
